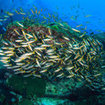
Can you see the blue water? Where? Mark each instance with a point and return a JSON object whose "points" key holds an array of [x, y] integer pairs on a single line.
{"points": [[66, 9], [89, 13]]}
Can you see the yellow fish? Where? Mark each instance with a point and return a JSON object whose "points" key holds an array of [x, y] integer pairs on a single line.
{"points": [[87, 16], [32, 11], [22, 13], [39, 12], [10, 14], [16, 11], [44, 17], [20, 24], [36, 11], [38, 62], [75, 30], [79, 25], [1, 20]]}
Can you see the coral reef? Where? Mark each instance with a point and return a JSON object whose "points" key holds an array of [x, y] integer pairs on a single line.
{"points": [[50, 53], [59, 62], [27, 86]]}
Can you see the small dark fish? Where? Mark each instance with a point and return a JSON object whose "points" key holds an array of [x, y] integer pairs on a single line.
{"points": [[1, 10], [92, 33], [11, 19]]}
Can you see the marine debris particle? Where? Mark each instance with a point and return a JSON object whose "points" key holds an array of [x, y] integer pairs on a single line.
{"points": [[51, 51]]}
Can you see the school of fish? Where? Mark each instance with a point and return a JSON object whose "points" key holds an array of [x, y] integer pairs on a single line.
{"points": [[45, 53]]}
